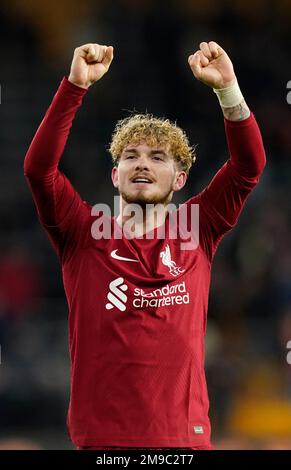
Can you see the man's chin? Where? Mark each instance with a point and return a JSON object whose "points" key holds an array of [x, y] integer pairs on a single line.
{"points": [[142, 199]]}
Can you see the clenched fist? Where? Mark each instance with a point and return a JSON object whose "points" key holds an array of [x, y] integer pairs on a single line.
{"points": [[212, 66], [90, 62]]}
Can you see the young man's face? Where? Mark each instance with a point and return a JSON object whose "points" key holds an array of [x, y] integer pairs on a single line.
{"points": [[147, 175]]}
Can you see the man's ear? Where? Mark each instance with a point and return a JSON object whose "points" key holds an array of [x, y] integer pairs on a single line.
{"points": [[114, 176], [180, 180]]}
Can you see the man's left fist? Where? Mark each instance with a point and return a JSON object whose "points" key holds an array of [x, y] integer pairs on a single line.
{"points": [[212, 66]]}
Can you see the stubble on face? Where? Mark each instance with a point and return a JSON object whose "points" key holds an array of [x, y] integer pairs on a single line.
{"points": [[142, 199]]}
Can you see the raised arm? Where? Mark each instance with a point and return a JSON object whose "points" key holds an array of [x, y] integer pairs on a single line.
{"points": [[222, 200], [56, 200]]}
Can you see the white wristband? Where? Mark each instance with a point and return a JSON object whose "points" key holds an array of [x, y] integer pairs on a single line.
{"points": [[230, 96]]}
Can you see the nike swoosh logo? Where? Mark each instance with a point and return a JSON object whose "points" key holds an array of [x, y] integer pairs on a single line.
{"points": [[115, 256]]}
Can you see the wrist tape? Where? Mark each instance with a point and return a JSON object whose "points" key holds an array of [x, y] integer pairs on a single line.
{"points": [[230, 96]]}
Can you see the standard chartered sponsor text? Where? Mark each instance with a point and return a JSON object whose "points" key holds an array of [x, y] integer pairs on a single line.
{"points": [[164, 296]]}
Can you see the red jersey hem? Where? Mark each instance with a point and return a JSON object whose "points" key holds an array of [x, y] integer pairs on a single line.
{"points": [[145, 443]]}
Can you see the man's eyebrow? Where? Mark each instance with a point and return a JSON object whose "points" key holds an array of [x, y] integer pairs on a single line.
{"points": [[152, 151]]}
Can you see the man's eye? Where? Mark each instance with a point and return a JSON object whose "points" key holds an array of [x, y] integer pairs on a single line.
{"points": [[130, 156], [157, 158]]}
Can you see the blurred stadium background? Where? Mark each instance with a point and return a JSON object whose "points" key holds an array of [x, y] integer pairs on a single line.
{"points": [[249, 322]]}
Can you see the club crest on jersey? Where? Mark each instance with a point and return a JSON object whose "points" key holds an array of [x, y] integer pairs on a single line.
{"points": [[167, 261]]}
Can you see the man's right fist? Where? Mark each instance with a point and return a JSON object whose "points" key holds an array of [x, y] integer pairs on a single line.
{"points": [[90, 62]]}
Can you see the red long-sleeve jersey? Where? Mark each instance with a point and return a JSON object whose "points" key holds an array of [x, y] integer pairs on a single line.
{"points": [[137, 307]]}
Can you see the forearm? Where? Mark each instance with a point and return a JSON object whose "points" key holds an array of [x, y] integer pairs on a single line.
{"points": [[232, 102], [245, 145], [48, 144], [236, 113]]}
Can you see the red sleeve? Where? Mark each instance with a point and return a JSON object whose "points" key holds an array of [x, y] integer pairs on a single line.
{"points": [[221, 202], [59, 206]]}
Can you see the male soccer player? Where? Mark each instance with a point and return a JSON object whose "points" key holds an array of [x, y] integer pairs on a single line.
{"points": [[138, 304]]}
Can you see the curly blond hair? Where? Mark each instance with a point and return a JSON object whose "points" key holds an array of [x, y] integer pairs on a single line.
{"points": [[154, 131]]}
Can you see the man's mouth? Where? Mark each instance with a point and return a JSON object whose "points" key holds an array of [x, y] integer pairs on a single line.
{"points": [[140, 179]]}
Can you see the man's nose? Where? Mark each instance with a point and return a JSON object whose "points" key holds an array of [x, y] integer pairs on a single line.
{"points": [[142, 163]]}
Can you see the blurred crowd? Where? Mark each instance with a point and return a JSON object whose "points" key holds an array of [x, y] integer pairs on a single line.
{"points": [[249, 322]]}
